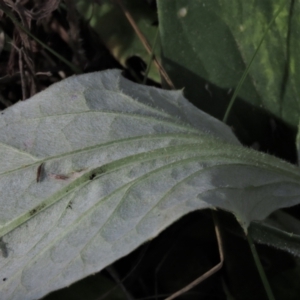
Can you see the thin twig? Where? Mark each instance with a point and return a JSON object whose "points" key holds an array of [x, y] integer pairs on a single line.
{"points": [[31, 68], [22, 75], [23, 85], [145, 44], [48, 74], [208, 273]]}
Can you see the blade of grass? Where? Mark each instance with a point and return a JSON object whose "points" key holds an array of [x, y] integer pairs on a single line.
{"points": [[236, 91], [260, 268], [74, 68], [151, 58]]}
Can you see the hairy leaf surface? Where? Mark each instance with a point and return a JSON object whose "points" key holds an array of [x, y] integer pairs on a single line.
{"points": [[96, 165]]}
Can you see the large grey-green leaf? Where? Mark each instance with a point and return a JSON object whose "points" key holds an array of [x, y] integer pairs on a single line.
{"points": [[96, 165]]}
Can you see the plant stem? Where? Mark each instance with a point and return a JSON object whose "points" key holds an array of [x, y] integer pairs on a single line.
{"points": [[260, 268], [151, 57]]}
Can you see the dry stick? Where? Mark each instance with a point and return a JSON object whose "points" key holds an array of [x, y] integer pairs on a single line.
{"points": [[22, 75], [30, 67], [211, 271], [145, 44], [21, 71]]}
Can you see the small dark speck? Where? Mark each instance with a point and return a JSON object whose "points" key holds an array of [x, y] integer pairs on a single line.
{"points": [[4, 279], [32, 212], [39, 173], [37, 209], [92, 176]]}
